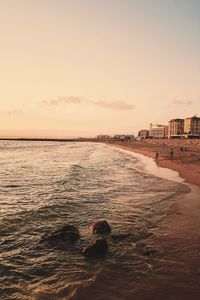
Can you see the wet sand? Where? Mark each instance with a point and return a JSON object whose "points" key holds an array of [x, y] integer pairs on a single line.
{"points": [[176, 273], [186, 163], [179, 233]]}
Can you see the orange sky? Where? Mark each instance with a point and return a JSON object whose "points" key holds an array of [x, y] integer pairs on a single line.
{"points": [[81, 68]]}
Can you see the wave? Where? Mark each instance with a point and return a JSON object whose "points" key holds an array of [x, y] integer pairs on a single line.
{"points": [[78, 184]]}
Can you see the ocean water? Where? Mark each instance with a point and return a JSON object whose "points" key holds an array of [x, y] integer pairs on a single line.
{"points": [[45, 185]]}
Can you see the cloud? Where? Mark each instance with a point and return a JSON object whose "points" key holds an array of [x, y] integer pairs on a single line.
{"points": [[118, 105], [63, 100], [181, 102]]}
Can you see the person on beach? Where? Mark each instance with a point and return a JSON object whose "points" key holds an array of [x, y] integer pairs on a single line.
{"points": [[171, 153], [157, 155]]}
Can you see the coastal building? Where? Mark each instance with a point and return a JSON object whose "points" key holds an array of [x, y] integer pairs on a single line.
{"points": [[158, 131], [143, 134], [192, 127], [103, 137], [129, 137], [176, 128], [123, 137]]}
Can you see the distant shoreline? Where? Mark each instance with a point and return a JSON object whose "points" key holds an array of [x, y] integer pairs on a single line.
{"points": [[49, 139]]}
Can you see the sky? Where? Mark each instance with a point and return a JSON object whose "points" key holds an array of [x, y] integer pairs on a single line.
{"points": [[71, 68]]}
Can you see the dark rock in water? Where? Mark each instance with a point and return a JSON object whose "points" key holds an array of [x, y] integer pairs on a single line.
{"points": [[96, 249], [101, 227], [67, 233]]}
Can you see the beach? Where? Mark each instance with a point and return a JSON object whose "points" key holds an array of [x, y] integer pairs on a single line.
{"points": [[153, 251], [179, 235], [186, 155]]}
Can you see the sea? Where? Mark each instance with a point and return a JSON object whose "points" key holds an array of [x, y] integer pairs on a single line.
{"points": [[46, 185]]}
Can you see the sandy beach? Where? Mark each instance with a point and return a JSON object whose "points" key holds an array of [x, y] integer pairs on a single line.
{"points": [[153, 251], [179, 236], [186, 155]]}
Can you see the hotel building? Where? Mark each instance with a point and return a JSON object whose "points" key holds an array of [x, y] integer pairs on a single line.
{"points": [[192, 126], [176, 128], [158, 131], [144, 133]]}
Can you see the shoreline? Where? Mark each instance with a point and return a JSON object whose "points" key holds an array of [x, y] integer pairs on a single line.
{"points": [[156, 250], [189, 171], [29, 139], [178, 238]]}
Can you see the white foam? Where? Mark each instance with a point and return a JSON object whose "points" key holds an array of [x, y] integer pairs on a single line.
{"points": [[149, 166]]}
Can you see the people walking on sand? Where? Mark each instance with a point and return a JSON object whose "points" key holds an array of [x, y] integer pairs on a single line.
{"points": [[157, 155], [171, 153]]}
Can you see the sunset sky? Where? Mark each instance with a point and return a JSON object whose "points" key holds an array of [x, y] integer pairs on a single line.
{"points": [[87, 67]]}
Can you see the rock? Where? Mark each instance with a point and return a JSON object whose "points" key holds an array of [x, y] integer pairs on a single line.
{"points": [[96, 249], [101, 227], [67, 233]]}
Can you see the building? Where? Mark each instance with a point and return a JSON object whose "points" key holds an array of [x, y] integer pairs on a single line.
{"points": [[176, 128], [158, 131], [103, 137], [143, 134], [123, 137], [192, 126]]}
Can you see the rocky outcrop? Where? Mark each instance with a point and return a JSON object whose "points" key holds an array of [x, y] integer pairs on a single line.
{"points": [[69, 233], [96, 249], [101, 227]]}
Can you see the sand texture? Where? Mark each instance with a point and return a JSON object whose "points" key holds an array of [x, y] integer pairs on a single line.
{"points": [[185, 160], [179, 235]]}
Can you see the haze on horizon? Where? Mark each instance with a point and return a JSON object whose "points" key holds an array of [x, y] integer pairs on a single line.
{"points": [[86, 67]]}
